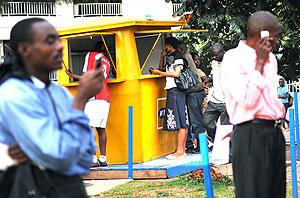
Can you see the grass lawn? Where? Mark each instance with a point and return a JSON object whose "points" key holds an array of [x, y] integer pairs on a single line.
{"points": [[176, 187]]}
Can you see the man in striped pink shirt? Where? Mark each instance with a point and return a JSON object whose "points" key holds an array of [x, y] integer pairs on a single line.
{"points": [[249, 81]]}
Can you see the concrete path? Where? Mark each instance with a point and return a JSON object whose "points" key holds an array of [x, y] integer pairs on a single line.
{"points": [[227, 170], [96, 187]]}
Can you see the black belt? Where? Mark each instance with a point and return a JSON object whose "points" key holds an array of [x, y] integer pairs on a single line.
{"points": [[260, 122]]}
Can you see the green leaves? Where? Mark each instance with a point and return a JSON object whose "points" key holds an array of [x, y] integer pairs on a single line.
{"points": [[226, 21]]}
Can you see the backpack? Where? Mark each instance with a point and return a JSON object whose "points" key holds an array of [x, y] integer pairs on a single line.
{"points": [[187, 78]]}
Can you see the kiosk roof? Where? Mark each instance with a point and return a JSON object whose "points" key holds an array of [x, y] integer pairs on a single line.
{"points": [[109, 24]]}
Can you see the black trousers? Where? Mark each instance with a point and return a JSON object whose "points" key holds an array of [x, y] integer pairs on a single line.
{"points": [[70, 186], [194, 104], [16, 182], [258, 161], [211, 115]]}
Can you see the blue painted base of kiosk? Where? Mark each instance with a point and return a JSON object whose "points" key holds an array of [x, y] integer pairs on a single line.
{"points": [[155, 169]]}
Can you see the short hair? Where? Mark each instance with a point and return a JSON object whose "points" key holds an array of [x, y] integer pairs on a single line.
{"points": [[194, 54], [217, 46], [261, 20], [98, 46], [182, 46], [172, 41], [20, 32], [281, 79]]}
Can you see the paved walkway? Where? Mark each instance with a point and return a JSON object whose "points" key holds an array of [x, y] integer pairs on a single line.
{"points": [[95, 187], [227, 170]]}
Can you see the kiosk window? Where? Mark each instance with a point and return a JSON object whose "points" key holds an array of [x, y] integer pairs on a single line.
{"points": [[80, 46], [149, 47]]}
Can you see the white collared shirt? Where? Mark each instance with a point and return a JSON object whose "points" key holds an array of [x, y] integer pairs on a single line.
{"points": [[217, 95]]}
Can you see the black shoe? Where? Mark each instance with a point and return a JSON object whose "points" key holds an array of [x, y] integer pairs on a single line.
{"points": [[213, 165], [189, 150], [102, 164], [196, 150], [99, 164], [192, 150]]}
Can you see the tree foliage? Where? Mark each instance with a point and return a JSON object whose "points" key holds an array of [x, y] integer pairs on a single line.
{"points": [[226, 21]]}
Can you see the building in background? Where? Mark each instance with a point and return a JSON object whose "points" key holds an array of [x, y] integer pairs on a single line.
{"points": [[65, 14]]}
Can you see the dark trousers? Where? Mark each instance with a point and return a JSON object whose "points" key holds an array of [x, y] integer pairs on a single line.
{"points": [[70, 186], [15, 184], [194, 104], [286, 106], [258, 161], [189, 139], [213, 112]]}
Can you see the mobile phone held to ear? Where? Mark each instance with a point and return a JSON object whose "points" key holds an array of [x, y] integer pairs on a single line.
{"points": [[264, 34], [98, 58]]}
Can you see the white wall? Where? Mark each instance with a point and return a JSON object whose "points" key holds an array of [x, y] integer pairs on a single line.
{"points": [[151, 9]]}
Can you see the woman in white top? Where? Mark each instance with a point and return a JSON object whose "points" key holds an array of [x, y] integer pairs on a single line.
{"points": [[176, 116]]}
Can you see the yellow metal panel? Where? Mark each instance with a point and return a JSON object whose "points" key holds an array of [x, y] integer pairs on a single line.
{"points": [[173, 31], [128, 66], [155, 143], [79, 34], [62, 76], [123, 95], [114, 23]]}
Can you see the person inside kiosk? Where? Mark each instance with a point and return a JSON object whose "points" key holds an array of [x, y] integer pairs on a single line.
{"points": [[97, 108]]}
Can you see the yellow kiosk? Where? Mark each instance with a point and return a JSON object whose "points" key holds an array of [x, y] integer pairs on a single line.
{"points": [[133, 46]]}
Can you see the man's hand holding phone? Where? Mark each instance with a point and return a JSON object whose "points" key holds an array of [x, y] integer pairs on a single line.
{"points": [[98, 58], [90, 85], [154, 71], [263, 49]]}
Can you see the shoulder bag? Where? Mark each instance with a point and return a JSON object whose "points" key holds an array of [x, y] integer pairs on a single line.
{"points": [[186, 79]]}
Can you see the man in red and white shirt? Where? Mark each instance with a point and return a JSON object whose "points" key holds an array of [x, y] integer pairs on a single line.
{"points": [[249, 80], [97, 108]]}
